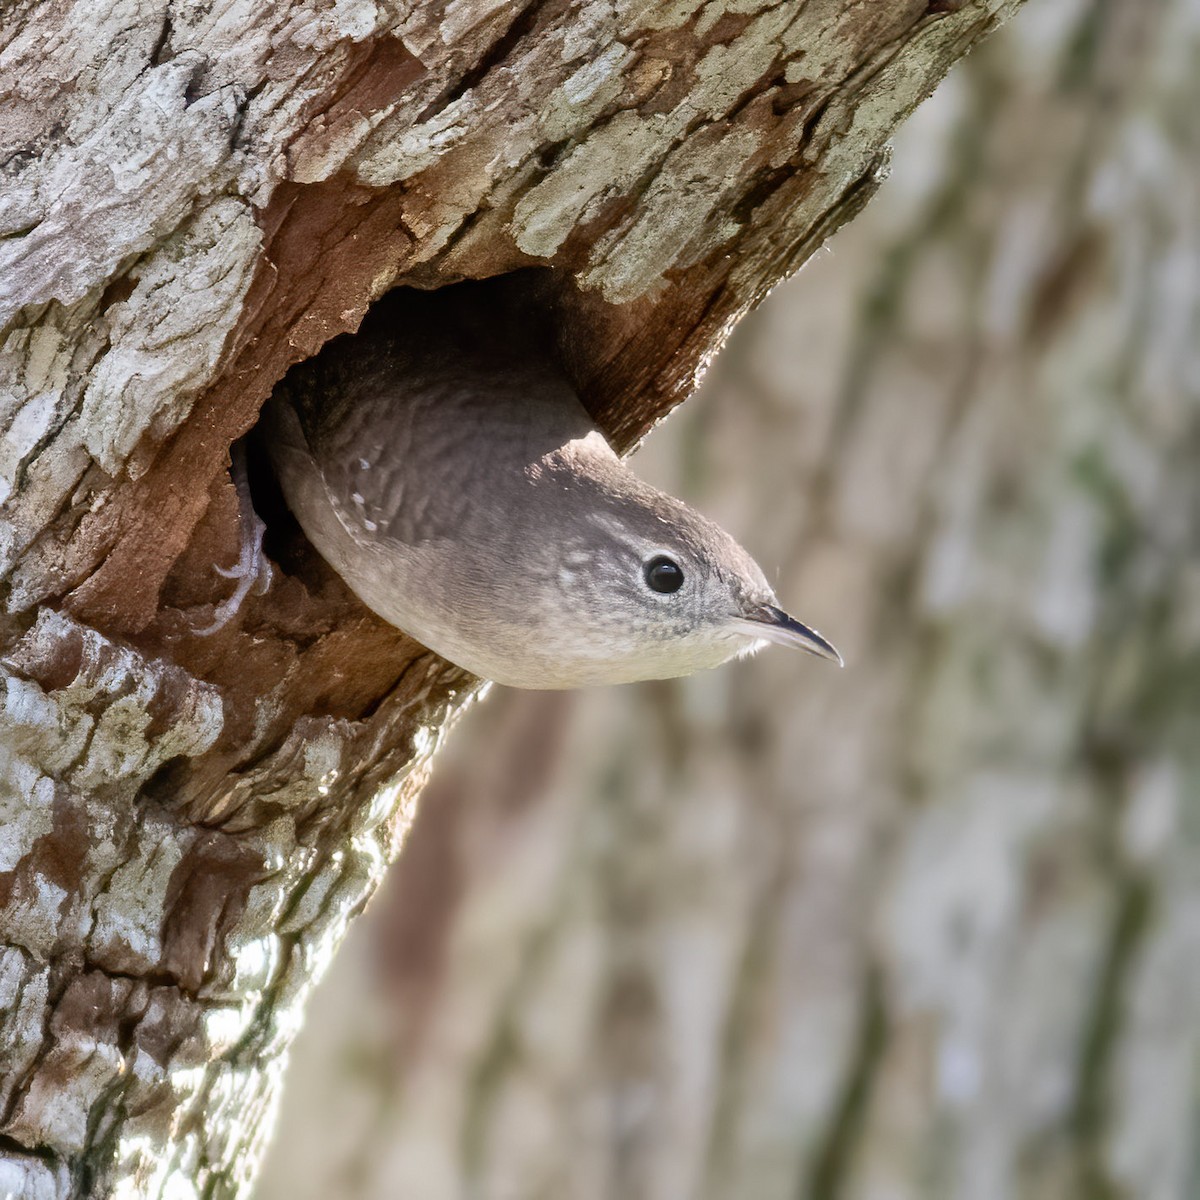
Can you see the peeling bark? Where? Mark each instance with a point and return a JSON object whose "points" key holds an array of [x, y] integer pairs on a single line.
{"points": [[193, 199]]}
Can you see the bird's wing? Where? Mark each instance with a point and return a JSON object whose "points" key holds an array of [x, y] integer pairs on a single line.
{"points": [[372, 497], [341, 441]]}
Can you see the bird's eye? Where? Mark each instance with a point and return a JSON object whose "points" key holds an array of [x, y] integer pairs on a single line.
{"points": [[664, 574]]}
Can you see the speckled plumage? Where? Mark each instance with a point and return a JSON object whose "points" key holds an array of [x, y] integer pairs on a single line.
{"points": [[441, 463]]}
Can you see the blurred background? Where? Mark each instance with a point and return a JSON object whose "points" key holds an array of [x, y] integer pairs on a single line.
{"points": [[925, 927]]}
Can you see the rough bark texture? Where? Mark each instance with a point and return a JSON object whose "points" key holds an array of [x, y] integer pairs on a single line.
{"points": [[195, 197], [926, 928]]}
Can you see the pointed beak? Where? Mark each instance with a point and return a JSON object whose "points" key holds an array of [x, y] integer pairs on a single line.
{"points": [[772, 624]]}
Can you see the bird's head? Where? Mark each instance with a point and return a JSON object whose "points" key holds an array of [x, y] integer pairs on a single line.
{"points": [[644, 587]]}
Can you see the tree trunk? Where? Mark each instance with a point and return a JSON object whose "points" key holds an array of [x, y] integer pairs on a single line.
{"points": [[926, 927], [194, 198]]}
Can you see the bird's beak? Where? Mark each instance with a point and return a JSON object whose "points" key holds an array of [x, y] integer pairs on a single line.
{"points": [[774, 625]]}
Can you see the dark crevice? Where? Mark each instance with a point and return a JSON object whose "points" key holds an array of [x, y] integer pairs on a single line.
{"points": [[1083, 53], [1089, 1118], [161, 52], [106, 1115], [521, 26], [167, 781], [372, 707], [10, 1147], [549, 155], [828, 1176], [153, 978], [243, 108], [193, 88], [464, 228], [814, 119], [762, 186]]}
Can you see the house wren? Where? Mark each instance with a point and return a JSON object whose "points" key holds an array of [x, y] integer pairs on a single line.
{"points": [[442, 464]]}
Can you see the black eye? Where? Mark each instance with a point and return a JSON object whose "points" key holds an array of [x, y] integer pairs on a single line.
{"points": [[664, 574]]}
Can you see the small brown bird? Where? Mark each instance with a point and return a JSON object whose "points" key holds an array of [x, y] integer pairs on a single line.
{"points": [[442, 464]]}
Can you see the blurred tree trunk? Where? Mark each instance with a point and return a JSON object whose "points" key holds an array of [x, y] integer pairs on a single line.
{"points": [[194, 197], [929, 927]]}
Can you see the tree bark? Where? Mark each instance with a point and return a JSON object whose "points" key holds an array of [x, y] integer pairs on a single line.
{"points": [[926, 927], [194, 198]]}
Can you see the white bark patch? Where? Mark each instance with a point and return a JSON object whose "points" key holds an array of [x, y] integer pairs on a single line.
{"points": [[29, 425], [255, 963], [661, 14], [417, 148], [51, 1114], [605, 164], [675, 221], [585, 94], [24, 989], [344, 20], [167, 337], [127, 916], [34, 924], [150, 158], [614, 157], [29, 1178], [37, 730], [111, 692], [726, 73], [25, 807], [37, 367], [462, 16]]}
